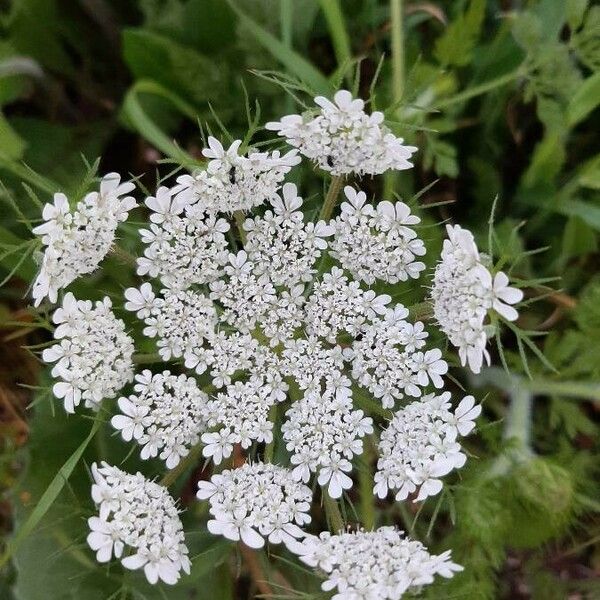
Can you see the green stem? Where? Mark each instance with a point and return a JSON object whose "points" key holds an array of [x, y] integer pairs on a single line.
{"points": [[365, 482], [397, 39], [330, 200], [171, 476], [239, 217], [332, 11], [517, 424], [332, 510], [146, 359], [397, 33], [480, 89], [123, 255]]}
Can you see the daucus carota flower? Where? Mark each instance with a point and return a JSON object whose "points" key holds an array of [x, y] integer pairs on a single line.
{"points": [[419, 446], [387, 359], [234, 182], [323, 432], [165, 415], [365, 565], [93, 353], [257, 502], [342, 138], [138, 523], [377, 242], [180, 319], [77, 241], [464, 292], [185, 245], [281, 244]]}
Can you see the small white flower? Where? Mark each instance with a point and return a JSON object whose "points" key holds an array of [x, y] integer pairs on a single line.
{"points": [[419, 446], [140, 515], [464, 292], [76, 242], [256, 502], [93, 355], [381, 564], [377, 243], [167, 413], [344, 139]]}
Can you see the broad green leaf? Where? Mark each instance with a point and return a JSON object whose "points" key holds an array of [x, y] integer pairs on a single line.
{"points": [[12, 145], [575, 9], [585, 100], [294, 62], [176, 67], [546, 162], [49, 496]]}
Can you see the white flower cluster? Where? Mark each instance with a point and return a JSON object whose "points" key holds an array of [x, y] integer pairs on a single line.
{"points": [[242, 414], [281, 244], [180, 319], [420, 445], [94, 355], [464, 292], [323, 432], [257, 502], [185, 244], [76, 242], [387, 359], [234, 182], [338, 305], [344, 139], [377, 242], [369, 565], [140, 515], [166, 414]]}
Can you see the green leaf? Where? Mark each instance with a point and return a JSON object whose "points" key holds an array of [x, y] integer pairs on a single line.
{"points": [[12, 145], [49, 496], [135, 114], [294, 62], [456, 44], [575, 9], [175, 67], [585, 99]]}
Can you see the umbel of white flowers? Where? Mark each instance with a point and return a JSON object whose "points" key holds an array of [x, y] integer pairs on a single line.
{"points": [[268, 325]]}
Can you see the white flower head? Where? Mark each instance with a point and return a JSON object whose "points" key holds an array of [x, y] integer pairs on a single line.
{"points": [[324, 433], [77, 241], [377, 242], [420, 446], [232, 181], [343, 139], [281, 245], [180, 319], [139, 515], [93, 353], [380, 564], [185, 245], [387, 359], [166, 415], [257, 502], [464, 292]]}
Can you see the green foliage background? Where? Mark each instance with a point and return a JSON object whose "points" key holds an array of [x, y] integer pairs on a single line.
{"points": [[500, 96]]}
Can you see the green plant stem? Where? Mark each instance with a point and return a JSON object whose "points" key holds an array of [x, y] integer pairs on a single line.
{"points": [[146, 359], [171, 476], [365, 482], [517, 424], [397, 33], [332, 11], [239, 217], [330, 200], [478, 90], [123, 255], [332, 510], [397, 39]]}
